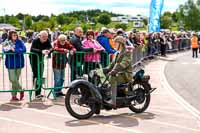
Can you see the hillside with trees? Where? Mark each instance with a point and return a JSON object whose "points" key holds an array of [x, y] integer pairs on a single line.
{"points": [[94, 19], [186, 17]]}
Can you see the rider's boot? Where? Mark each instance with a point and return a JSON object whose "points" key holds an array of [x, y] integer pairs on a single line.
{"points": [[112, 102]]}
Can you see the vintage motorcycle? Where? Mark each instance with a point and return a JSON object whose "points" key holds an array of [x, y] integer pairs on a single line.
{"points": [[84, 98]]}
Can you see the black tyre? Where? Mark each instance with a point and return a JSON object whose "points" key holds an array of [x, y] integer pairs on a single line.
{"points": [[142, 100], [78, 99]]}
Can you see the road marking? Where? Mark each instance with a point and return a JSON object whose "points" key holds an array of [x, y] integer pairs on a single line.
{"points": [[158, 122], [153, 108], [157, 93], [171, 113], [64, 116], [197, 62], [184, 63], [32, 125], [109, 125], [176, 96], [165, 108], [156, 110]]}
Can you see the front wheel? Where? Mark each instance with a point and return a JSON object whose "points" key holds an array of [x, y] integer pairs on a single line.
{"points": [[79, 102], [142, 100]]}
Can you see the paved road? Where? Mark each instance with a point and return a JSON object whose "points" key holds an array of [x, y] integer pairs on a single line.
{"points": [[184, 77], [50, 116]]}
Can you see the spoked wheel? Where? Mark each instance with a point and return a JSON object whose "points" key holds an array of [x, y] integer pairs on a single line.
{"points": [[142, 100], [79, 102]]}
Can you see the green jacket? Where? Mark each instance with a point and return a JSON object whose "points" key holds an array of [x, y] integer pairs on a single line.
{"points": [[123, 64]]}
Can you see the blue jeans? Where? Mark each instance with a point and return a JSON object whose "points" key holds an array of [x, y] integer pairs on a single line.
{"points": [[59, 75]]}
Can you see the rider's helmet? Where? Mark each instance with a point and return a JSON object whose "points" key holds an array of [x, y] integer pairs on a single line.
{"points": [[121, 40]]}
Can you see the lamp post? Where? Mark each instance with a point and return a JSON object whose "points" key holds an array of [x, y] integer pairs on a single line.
{"points": [[4, 10], [4, 14]]}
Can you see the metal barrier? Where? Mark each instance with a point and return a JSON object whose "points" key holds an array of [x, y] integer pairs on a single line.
{"points": [[71, 66], [22, 76], [142, 53], [75, 66]]}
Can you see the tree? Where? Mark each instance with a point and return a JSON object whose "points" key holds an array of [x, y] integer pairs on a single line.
{"points": [[37, 18], [28, 21], [60, 19], [175, 16], [166, 22], [20, 16], [45, 18], [38, 26], [52, 23], [189, 14], [104, 19], [1, 19], [14, 21], [123, 26], [145, 21]]}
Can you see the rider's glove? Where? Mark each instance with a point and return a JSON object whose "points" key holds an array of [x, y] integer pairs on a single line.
{"points": [[105, 70], [113, 73]]}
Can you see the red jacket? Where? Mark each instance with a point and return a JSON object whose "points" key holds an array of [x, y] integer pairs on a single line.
{"points": [[59, 56]]}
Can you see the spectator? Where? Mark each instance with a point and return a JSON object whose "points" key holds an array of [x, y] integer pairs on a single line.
{"points": [[120, 32], [111, 39], [103, 39], [56, 34], [76, 41], [62, 46], [156, 42], [4, 35], [92, 59], [194, 43], [29, 35], [14, 49], [162, 41], [49, 34], [136, 40], [199, 41], [40, 46], [130, 38]]}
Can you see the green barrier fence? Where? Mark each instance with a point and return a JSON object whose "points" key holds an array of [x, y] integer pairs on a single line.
{"points": [[73, 67], [19, 79]]}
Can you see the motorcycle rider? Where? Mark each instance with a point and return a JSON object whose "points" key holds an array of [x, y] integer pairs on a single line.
{"points": [[120, 70]]}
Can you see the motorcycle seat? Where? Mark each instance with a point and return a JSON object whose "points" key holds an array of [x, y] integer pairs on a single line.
{"points": [[122, 85]]}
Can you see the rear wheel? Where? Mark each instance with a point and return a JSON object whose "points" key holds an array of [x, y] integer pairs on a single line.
{"points": [[79, 102], [142, 100]]}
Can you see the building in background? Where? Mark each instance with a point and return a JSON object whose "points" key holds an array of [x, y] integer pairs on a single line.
{"points": [[137, 20]]}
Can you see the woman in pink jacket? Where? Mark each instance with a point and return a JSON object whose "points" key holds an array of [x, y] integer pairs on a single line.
{"points": [[92, 60]]}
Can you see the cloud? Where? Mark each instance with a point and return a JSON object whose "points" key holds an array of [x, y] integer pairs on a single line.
{"points": [[46, 7]]}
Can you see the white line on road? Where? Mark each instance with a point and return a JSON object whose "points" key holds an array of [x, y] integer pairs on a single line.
{"points": [[32, 125], [109, 125], [176, 96], [65, 116], [171, 113], [160, 123], [184, 63]]}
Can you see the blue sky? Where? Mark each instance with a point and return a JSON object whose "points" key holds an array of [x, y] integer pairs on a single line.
{"points": [[46, 7]]}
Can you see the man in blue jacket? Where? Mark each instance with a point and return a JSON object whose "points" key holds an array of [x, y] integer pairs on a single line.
{"points": [[103, 39]]}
